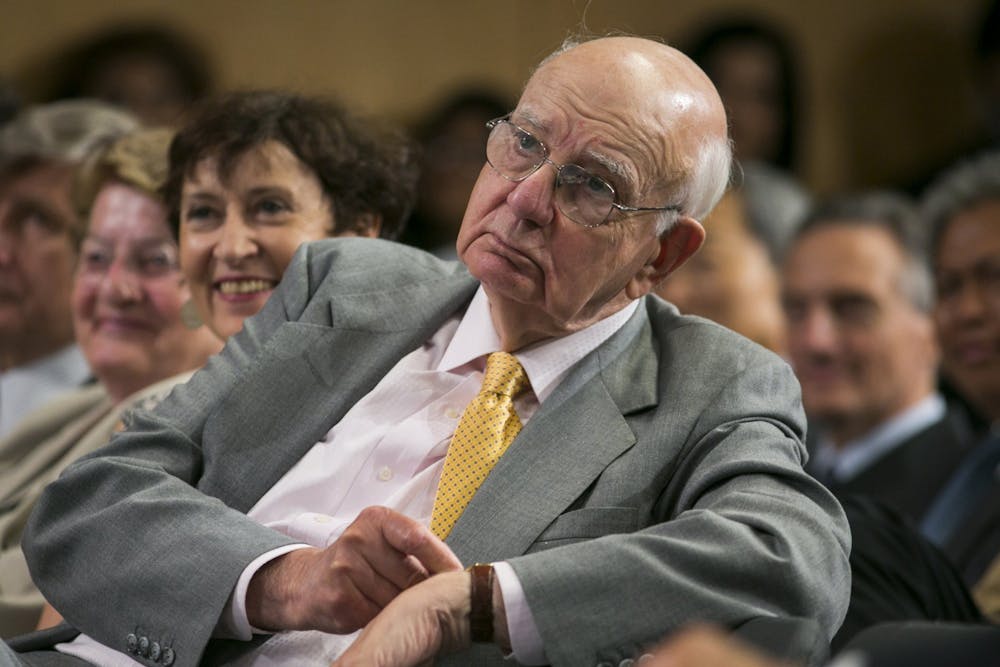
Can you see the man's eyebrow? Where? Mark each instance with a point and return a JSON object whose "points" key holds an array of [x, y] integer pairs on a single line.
{"points": [[526, 117], [614, 167]]}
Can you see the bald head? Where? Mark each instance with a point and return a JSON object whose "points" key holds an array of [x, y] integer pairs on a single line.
{"points": [[668, 102]]}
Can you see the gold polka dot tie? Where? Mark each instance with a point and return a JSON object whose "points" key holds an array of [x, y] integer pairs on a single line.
{"points": [[488, 426]]}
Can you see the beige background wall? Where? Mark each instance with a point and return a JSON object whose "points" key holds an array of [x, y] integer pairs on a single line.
{"points": [[886, 82]]}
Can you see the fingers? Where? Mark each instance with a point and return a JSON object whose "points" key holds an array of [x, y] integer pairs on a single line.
{"points": [[410, 537], [427, 620]]}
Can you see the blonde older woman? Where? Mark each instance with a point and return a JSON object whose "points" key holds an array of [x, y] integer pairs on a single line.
{"points": [[126, 303]]}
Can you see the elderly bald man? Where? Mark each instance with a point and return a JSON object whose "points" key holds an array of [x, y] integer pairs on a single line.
{"points": [[638, 469]]}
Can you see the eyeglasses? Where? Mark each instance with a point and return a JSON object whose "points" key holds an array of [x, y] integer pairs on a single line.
{"points": [[146, 260], [584, 198]]}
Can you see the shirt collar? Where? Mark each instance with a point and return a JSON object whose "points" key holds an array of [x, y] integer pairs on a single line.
{"points": [[545, 363], [858, 454]]}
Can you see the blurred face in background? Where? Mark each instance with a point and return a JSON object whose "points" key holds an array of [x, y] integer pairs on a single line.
{"points": [[37, 259], [748, 76], [860, 348], [128, 295], [731, 280], [967, 309], [145, 85], [452, 161], [238, 231]]}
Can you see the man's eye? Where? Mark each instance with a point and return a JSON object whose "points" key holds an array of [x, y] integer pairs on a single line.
{"points": [[947, 286], [795, 311], [854, 310], [526, 143], [597, 185]]}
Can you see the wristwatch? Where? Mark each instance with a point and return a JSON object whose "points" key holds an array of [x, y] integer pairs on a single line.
{"points": [[481, 603]]}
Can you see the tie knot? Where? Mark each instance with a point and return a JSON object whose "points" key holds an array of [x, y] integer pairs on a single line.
{"points": [[504, 375]]}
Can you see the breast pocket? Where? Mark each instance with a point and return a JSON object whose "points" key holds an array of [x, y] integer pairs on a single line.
{"points": [[586, 524]]}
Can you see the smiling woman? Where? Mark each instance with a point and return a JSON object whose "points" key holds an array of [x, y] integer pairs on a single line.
{"points": [[253, 175], [126, 305]]}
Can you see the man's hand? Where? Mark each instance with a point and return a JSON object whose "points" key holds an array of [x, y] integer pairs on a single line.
{"points": [[430, 619], [339, 589]]}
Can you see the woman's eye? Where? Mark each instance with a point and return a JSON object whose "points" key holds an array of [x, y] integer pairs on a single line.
{"points": [[95, 259], [156, 263], [271, 206], [197, 212]]}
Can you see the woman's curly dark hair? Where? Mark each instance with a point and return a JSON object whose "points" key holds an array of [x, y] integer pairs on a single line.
{"points": [[365, 170]]}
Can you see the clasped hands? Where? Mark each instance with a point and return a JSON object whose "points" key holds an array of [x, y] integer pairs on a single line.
{"points": [[382, 561]]}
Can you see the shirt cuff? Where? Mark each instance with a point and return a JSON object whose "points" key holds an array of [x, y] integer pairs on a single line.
{"points": [[525, 642], [234, 624]]}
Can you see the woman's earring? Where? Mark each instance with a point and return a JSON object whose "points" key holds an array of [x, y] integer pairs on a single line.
{"points": [[189, 315]]}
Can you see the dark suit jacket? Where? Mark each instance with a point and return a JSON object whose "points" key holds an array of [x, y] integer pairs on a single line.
{"points": [[908, 477], [660, 483]]}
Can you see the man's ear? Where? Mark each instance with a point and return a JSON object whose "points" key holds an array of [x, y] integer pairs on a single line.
{"points": [[674, 248]]}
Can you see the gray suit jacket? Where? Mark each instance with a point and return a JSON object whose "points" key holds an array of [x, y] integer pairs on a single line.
{"points": [[660, 483]]}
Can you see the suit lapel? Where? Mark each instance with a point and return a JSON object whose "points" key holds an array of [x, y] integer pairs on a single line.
{"points": [[309, 375], [583, 421]]}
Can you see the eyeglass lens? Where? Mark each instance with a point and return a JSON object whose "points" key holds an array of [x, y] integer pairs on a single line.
{"points": [[582, 197]]}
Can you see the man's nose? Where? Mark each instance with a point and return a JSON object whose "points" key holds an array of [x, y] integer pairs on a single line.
{"points": [[236, 240], [816, 331], [534, 198]]}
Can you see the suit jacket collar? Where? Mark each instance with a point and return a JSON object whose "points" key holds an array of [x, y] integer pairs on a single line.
{"points": [[303, 382], [582, 421]]}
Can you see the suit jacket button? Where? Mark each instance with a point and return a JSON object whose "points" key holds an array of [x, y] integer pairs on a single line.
{"points": [[144, 646], [627, 662], [154, 651], [604, 664], [168, 656], [131, 642], [645, 657]]}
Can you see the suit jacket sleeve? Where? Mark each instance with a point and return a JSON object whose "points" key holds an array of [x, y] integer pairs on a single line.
{"points": [[725, 525], [125, 542]]}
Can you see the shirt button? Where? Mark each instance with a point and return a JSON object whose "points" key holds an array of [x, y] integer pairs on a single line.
{"points": [[452, 413], [321, 518], [384, 473]]}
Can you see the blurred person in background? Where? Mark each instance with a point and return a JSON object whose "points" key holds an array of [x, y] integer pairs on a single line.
{"points": [[253, 175], [857, 295], [733, 279], [40, 233], [453, 139], [962, 209], [752, 66], [149, 69], [10, 102], [126, 305]]}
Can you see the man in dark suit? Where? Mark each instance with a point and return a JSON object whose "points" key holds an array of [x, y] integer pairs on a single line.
{"points": [[963, 211], [857, 295], [656, 478]]}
